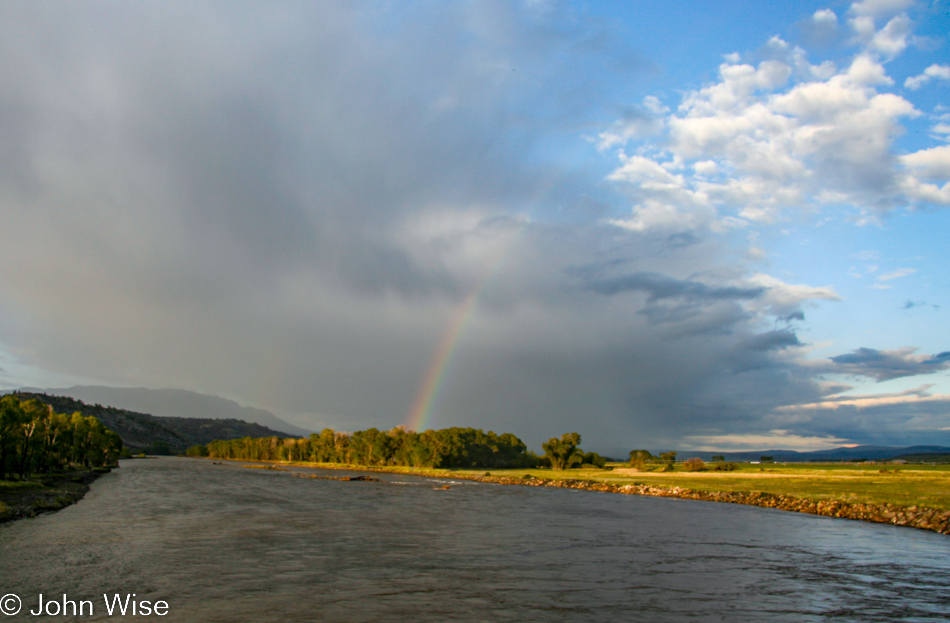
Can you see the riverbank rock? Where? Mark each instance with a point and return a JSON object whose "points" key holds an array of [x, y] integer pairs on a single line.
{"points": [[932, 519]]}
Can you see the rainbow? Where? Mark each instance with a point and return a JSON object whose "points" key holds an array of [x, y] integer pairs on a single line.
{"points": [[434, 380]]}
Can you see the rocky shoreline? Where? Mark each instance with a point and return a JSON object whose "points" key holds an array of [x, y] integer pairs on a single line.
{"points": [[932, 519], [55, 493]]}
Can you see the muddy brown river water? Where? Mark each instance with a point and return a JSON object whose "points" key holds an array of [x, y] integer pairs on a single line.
{"points": [[221, 543]]}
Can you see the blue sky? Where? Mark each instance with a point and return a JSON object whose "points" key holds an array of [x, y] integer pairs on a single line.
{"points": [[688, 225]]}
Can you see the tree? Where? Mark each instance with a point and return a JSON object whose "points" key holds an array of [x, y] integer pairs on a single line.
{"points": [[449, 447], [668, 458], [767, 459], [639, 458], [34, 412], [36, 439], [563, 452], [11, 420], [718, 458], [199, 450]]}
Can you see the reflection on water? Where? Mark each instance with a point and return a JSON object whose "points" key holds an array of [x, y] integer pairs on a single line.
{"points": [[224, 543]]}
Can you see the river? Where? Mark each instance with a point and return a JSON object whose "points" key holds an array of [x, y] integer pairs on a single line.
{"points": [[222, 543]]}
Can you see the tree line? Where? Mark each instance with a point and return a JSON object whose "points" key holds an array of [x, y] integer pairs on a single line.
{"points": [[36, 439], [448, 447]]}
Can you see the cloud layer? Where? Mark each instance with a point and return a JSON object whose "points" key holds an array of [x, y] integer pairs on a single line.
{"points": [[780, 136], [290, 204]]}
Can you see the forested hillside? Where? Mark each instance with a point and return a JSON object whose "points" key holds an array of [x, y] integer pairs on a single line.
{"points": [[36, 439], [141, 432], [169, 402]]}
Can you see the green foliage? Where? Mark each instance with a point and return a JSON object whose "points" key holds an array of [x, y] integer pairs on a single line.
{"points": [[36, 439], [767, 459], [725, 467], [199, 450], [639, 458], [921, 485], [668, 459], [718, 458], [563, 452], [592, 459], [450, 447]]}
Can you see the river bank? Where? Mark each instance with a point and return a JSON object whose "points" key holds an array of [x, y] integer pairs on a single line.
{"points": [[19, 500], [913, 516]]}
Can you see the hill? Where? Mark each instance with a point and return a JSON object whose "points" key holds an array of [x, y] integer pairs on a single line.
{"points": [[926, 457], [869, 453], [173, 403], [149, 433]]}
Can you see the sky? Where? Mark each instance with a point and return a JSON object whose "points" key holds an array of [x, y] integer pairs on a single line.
{"points": [[678, 225]]}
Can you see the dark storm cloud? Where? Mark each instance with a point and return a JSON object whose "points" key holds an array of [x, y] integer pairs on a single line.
{"points": [[288, 134], [692, 307], [796, 315], [660, 287], [280, 201], [288, 203], [771, 340], [885, 365], [924, 422]]}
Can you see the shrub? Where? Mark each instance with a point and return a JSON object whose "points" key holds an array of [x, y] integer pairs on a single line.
{"points": [[592, 460], [694, 464]]}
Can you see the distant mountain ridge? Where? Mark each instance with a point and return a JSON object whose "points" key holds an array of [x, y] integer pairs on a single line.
{"points": [[173, 403], [870, 453], [142, 432]]}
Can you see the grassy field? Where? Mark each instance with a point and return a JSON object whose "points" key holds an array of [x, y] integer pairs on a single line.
{"points": [[905, 485]]}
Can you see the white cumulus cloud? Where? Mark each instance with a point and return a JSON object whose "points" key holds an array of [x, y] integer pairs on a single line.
{"points": [[940, 72], [876, 8], [825, 17], [766, 140]]}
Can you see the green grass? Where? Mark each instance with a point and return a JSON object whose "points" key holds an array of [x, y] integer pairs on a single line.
{"points": [[904, 485]]}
